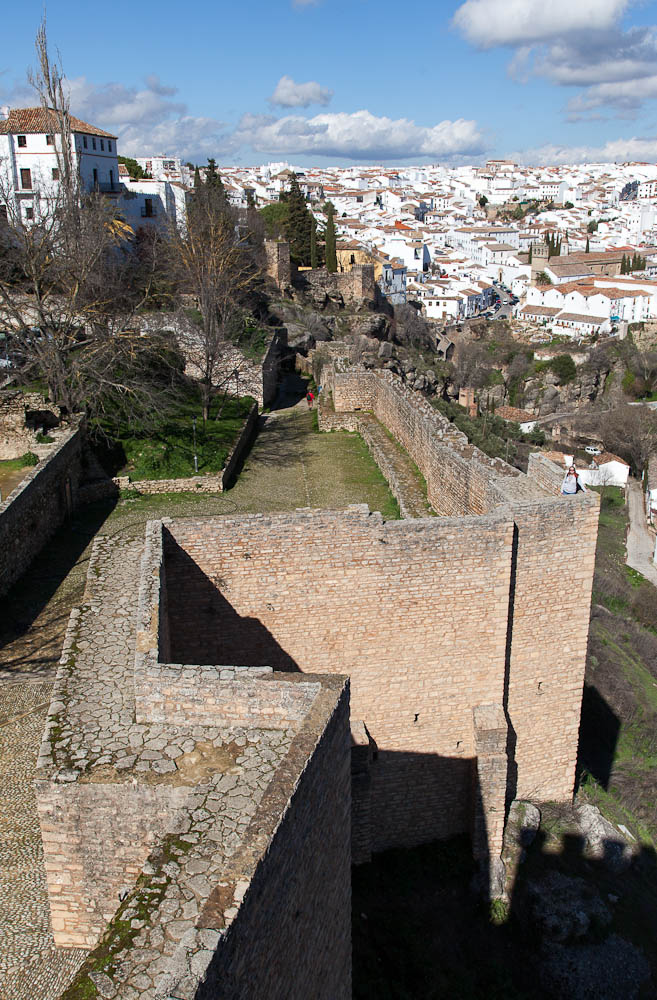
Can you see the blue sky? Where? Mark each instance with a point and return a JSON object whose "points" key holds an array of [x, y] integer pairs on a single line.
{"points": [[354, 81]]}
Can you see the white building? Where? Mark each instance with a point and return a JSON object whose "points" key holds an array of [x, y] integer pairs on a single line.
{"points": [[29, 167]]}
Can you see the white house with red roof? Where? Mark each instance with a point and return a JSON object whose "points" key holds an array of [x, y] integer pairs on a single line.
{"points": [[29, 166]]}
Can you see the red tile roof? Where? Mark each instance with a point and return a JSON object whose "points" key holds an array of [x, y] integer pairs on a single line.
{"points": [[44, 120]]}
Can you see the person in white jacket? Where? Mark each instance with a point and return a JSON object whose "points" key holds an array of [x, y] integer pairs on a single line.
{"points": [[571, 483]]}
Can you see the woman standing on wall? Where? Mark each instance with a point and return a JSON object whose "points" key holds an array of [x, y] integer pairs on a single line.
{"points": [[571, 483]]}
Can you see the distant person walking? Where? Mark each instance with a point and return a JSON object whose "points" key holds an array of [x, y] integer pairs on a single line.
{"points": [[571, 483], [309, 399]]}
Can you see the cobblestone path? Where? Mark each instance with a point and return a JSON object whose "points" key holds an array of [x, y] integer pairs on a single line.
{"points": [[289, 466], [31, 967]]}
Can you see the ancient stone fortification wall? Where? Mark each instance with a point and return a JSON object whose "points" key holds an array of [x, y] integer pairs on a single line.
{"points": [[36, 508], [545, 472], [391, 604], [96, 837], [291, 936], [22, 415], [549, 603], [242, 376]]}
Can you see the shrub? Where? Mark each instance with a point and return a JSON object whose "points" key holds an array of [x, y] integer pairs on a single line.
{"points": [[564, 368]]}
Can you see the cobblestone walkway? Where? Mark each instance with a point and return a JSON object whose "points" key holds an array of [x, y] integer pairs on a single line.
{"points": [[31, 967], [289, 466]]}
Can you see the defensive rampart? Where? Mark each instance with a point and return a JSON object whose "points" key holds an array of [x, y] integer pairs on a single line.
{"points": [[548, 615], [231, 816], [36, 508]]}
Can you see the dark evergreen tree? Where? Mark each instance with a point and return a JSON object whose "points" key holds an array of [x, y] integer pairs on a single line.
{"points": [[313, 242], [197, 178], [530, 253], [331, 254], [299, 224], [212, 178], [624, 265], [588, 246]]}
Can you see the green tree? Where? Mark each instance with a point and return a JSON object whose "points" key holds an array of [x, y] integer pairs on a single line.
{"points": [[213, 179], [299, 224], [623, 269], [313, 242], [530, 253], [483, 201], [133, 168], [592, 226], [197, 178], [568, 204], [275, 218], [331, 254], [588, 245], [564, 368]]}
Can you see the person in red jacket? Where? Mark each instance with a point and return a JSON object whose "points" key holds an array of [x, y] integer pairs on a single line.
{"points": [[309, 399]]}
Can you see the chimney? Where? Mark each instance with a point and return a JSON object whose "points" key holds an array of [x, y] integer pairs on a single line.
{"points": [[4, 112]]}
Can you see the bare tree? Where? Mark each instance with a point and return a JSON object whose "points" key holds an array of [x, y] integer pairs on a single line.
{"points": [[631, 432], [213, 264], [70, 280]]}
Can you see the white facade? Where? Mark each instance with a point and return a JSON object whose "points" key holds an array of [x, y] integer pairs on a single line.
{"points": [[29, 166]]}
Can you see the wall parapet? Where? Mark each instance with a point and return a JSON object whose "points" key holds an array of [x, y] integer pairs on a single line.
{"points": [[33, 512]]}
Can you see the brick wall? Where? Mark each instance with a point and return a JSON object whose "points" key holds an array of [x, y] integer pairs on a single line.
{"points": [[291, 937], [546, 473], [36, 508], [390, 604], [96, 837], [553, 572]]}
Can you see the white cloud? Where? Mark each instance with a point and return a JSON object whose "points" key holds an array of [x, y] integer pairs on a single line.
{"points": [[289, 94], [359, 135], [638, 148], [149, 119], [490, 23], [573, 43]]}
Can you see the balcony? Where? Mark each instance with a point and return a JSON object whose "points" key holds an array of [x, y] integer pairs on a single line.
{"points": [[105, 187]]}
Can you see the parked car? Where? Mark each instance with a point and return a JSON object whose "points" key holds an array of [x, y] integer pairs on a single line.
{"points": [[592, 450]]}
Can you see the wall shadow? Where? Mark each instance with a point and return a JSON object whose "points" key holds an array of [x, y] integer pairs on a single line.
{"points": [[292, 390], [205, 628], [598, 735], [575, 927], [31, 623]]}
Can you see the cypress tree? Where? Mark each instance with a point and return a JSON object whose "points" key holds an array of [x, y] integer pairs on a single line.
{"points": [[331, 255], [212, 178], [588, 246], [197, 178], [530, 253], [313, 242], [299, 224]]}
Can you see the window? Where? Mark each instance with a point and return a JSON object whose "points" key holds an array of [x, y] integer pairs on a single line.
{"points": [[102, 145], [112, 179], [93, 143], [22, 140], [109, 145], [55, 173], [26, 179], [50, 140], [29, 212], [95, 177], [84, 142]]}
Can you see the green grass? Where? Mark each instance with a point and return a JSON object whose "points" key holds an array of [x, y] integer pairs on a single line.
{"points": [[167, 451], [16, 464]]}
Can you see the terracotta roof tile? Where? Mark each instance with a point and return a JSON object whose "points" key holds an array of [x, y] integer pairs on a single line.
{"points": [[44, 120]]}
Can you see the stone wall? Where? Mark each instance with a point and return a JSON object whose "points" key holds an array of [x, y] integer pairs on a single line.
{"points": [[391, 604], [546, 473], [548, 606], [22, 416], [243, 376], [290, 937], [36, 508], [96, 837]]}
